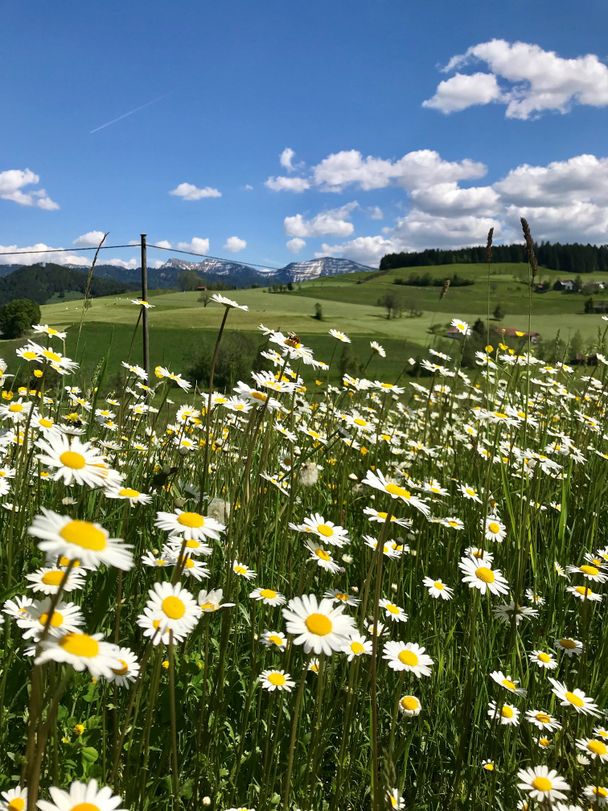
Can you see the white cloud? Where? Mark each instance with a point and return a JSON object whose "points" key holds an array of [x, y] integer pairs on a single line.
{"points": [[196, 244], [286, 159], [583, 177], [247, 187], [376, 213], [235, 244], [419, 229], [188, 191], [14, 185], [296, 244], [447, 198], [50, 255], [367, 250], [462, 91], [128, 264], [89, 240], [163, 243], [333, 222], [418, 168], [296, 184], [534, 80]]}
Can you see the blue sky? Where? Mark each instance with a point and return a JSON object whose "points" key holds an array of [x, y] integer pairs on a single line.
{"points": [[289, 130]]}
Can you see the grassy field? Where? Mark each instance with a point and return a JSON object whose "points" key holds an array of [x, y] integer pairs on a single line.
{"points": [[180, 325], [341, 598]]}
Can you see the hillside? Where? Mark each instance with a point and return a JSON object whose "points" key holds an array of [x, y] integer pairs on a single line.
{"points": [[41, 282]]}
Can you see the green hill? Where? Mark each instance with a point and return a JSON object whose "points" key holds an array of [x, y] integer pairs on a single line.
{"points": [[44, 281]]}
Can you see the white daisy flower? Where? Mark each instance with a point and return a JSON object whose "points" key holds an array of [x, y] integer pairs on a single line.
{"points": [[82, 796], [47, 580], [276, 680], [81, 651], [410, 706], [357, 645], [543, 720], [438, 589], [407, 656], [574, 698], [505, 714], [87, 542], [318, 625], [189, 525], [542, 784], [268, 596], [482, 577]]}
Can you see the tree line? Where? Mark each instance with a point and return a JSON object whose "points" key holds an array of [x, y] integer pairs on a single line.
{"points": [[569, 258]]}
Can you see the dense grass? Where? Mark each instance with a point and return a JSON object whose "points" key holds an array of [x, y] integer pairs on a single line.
{"points": [[194, 719]]}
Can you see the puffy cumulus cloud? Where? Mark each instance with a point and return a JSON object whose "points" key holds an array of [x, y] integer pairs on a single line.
{"points": [[128, 264], [575, 222], [376, 213], [163, 243], [463, 90], [445, 198], [286, 159], [367, 250], [415, 169], [296, 184], [40, 252], [188, 191], [533, 80], [235, 244], [296, 244], [14, 186], [420, 229], [582, 177], [89, 240], [334, 222], [414, 231], [196, 244]]}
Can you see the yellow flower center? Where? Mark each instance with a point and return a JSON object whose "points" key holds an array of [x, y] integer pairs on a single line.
{"points": [[545, 657], [192, 520], [53, 356], [53, 578], [507, 712], [122, 670], [508, 684], [276, 678], [321, 553], [173, 607], [597, 748], [409, 703], [81, 645], [592, 571], [357, 647], [73, 460], [128, 492], [325, 530], [268, 594], [319, 624], [275, 639], [485, 574], [29, 355], [16, 804], [493, 527], [15, 407], [359, 421], [542, 784], [583, 591], [543, 717], [569, 644], [600, 791], [408, 658], [85, 807], [209, 606], [259, 395], [395, 490], [56, 619], [574, 699], [45, 422], [438, 585], [84, 534], [392, 608]]}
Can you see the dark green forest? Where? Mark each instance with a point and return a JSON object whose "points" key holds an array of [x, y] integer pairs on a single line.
{"points": [[41, 282], [571, 258]]}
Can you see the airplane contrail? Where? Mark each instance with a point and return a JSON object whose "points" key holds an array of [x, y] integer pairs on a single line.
{"points": [[126, 115]]}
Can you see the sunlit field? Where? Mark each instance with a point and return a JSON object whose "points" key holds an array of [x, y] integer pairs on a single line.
{"points": [[308, 592]]}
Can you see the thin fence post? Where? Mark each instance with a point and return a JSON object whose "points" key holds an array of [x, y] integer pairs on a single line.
{"points": [[144, 309]]}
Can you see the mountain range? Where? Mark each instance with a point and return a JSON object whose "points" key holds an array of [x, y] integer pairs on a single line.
{"points": [[217, 272]]}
